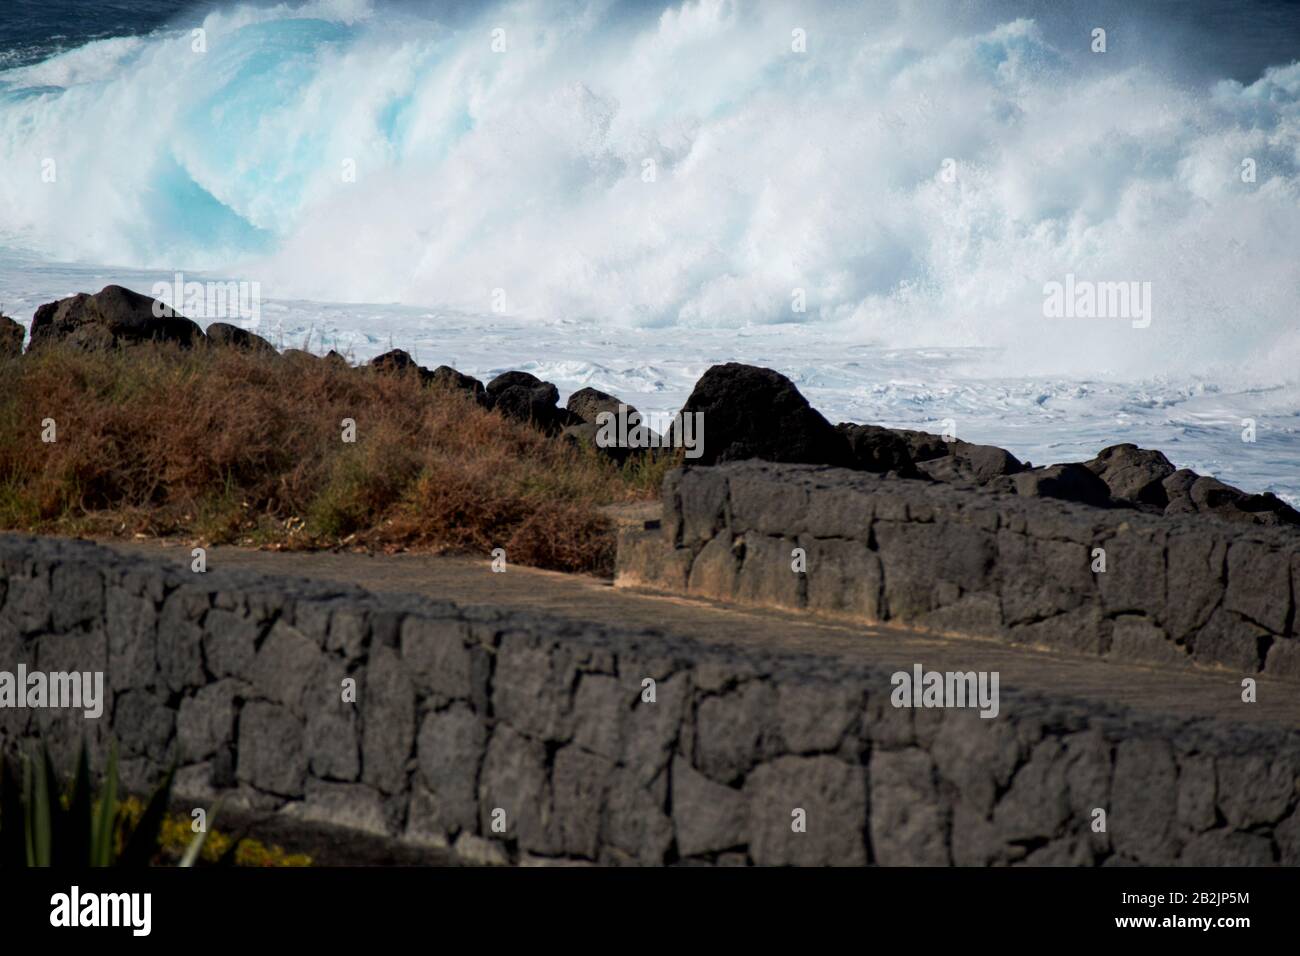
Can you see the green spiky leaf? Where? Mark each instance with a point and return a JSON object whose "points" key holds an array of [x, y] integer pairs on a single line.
{"points": [[42, 802], [72, 835], [104, 834], [13, 823], [143, 844]]}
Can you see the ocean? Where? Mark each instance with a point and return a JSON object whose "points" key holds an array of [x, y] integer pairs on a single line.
{"points": [[872, 198]]}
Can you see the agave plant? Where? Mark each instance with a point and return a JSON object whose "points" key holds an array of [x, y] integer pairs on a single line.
{"points": [[39, 828]]}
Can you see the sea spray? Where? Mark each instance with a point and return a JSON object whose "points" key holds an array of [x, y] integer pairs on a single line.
{"points": [[906, 179]]}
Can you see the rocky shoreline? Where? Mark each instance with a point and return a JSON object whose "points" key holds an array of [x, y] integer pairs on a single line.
{"points": [[750, 413]]}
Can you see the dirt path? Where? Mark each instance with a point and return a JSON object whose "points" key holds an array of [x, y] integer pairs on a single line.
{"points": [[1185, 693]]}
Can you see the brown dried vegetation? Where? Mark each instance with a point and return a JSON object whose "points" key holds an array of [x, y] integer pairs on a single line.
{"points": [[226, 446]]}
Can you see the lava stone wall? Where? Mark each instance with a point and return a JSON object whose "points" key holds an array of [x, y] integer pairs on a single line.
{"points": [[459, 715], [1184, 589]]}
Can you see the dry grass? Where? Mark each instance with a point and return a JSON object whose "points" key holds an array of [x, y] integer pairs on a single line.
{"points": [[223, 446]]}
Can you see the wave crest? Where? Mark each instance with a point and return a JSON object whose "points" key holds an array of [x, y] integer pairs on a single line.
{"points": [[689, 169]]}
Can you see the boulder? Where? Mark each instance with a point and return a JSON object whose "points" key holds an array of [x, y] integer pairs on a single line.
{"points": [[1268, 509], [752, 412], [526, 398], [1190, 493], [923, 446], [966, 463], [585, 435], [1212, 495], [588, 403], [111, 317], [223, 333], [1179, 484], [444, 376], [398, 361], [1069, 482], [521, 380], [300, 357], [877, 449], [11, 336], [1133, 473], [956, 461], [586, 406]]}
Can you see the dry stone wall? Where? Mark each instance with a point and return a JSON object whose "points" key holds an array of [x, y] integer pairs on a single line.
{"points": [[1174, 590], [466, 717]]}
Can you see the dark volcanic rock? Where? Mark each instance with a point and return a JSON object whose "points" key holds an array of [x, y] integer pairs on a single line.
{"points": [[1190, 493], [956, 462], [444, 376], [223, 333], [923, 446], [988, 461], [398, 361], [526, 398], [1269, 509], [971, 464], [585, 434], [465, 711], [300, 357], [588, 403], [752, 412], [1179, 484], [878, 449], [113, 316], [1069, 482], [1133, 473], [11, 336], [614, 439], [521, 380]]}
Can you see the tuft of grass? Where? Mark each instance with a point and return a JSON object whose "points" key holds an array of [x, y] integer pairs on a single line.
{"points": [[224, 446], [42, 826]]}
